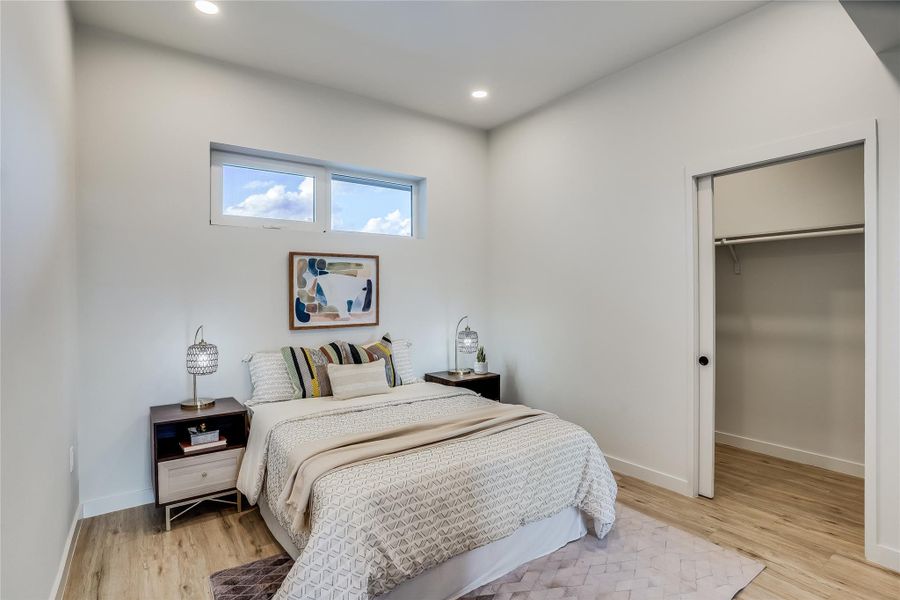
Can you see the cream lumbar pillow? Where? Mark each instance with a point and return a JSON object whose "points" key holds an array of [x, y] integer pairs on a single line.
{"points": [[353, 381]]}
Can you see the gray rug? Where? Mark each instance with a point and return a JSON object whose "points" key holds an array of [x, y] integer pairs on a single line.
{"points": [[641, 558]]}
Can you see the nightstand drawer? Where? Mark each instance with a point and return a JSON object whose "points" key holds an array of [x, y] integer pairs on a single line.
{"points": [[198, 475]]}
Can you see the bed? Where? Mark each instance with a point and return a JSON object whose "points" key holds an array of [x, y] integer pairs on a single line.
{"points": [[431, 523]]}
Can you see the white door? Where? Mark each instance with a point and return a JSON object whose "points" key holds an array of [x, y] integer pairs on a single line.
{"points": [[706, 270]]}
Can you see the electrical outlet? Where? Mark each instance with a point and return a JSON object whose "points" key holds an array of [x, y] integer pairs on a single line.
{"points": [[71, 459]]}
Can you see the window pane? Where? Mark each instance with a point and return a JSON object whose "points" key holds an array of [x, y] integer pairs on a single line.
{"points": [[250, 192], [370, 206]]}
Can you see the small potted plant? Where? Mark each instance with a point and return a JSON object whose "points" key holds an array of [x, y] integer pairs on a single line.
{"points": [[481, 366]]}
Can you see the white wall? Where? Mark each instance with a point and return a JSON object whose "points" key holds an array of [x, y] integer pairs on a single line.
{"points": [[824, 190], [152, 268], [790, 344], [39, 495], [590, 227]]}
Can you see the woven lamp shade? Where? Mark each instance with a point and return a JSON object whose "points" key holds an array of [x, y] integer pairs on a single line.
{"points": [[202, 359]]}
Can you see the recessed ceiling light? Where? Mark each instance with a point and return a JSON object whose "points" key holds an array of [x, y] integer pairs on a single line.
{"points": [[480, 94], [206, 7]]}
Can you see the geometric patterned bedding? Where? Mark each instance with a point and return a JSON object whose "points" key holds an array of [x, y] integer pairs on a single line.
{"points": [[377, 524]]}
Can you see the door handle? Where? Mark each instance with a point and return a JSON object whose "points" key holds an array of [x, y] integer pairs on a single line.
{"points": [[703, 360]]}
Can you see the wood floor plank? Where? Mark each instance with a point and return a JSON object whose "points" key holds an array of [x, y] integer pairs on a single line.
{"points": [[804, 523]]}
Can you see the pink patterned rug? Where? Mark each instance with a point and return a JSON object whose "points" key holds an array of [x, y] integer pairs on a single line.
{"points": [[641, 558]]}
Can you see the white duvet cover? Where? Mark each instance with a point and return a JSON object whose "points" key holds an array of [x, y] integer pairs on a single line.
{"points": [[377, 524]]}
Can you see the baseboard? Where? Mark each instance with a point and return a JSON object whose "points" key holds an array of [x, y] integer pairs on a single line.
{"points": [[108, 504], [62, 573], [885, 556], [848, 467], [664, 480]]}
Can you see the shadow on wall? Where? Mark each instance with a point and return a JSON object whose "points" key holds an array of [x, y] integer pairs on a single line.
{"points": [[508, 390], [877, 21], [892, 61]]}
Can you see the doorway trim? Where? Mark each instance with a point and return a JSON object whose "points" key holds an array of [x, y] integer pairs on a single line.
{"points": [[864, 132]]}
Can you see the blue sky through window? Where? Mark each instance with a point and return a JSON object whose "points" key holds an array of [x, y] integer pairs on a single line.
{"points": [[357, 204], [250, 192], [370, 206]]}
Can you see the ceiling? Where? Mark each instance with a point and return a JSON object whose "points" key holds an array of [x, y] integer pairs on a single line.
{"points": [[427, 56]]}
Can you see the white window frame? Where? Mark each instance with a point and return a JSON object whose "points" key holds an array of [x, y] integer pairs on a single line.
{"points": [[321, 201], [413, 184], [322, 174]]}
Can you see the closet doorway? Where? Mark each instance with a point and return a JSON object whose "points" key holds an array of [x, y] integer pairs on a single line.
{"points": [[783, 307]]}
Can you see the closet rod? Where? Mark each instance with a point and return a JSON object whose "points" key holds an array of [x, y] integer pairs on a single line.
{"points": [[789, 236]]}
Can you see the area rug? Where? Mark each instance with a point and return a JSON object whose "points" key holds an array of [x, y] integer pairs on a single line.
{"points": [[258, 580], [640, 559]]}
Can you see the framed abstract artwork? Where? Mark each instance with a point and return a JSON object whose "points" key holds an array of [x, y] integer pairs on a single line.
{"points": [[332, 290]]}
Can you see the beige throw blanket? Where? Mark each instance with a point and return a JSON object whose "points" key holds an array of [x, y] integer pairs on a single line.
{"points": [[311, 461]]}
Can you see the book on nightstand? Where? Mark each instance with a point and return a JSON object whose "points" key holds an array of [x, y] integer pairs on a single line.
{"points": [[187, 448]]}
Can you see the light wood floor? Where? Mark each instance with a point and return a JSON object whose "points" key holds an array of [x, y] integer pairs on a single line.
{"points": [[804, 523]]}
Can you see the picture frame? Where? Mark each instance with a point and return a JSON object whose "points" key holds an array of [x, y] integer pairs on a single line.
{"points": [[327, 290]]}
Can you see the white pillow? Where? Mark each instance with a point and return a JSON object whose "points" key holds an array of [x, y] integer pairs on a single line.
{"points": [[270, 379], [353, 381], [403, 362]]}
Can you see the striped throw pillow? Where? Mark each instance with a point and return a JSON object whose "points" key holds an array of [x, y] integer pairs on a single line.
{"points": [[355, 380], [307, 368], [384, 349], [356, 354]]}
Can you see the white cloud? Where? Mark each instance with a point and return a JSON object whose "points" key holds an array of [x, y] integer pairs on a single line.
{"points": [[393, 224], [257, 183], [278, 203]]}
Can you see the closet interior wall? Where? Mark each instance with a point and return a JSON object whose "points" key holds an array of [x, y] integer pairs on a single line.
{"points": [[790, 350]]}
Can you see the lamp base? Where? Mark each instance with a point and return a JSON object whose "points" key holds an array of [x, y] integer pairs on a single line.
{"points": [[197, 403], [459, 371]]}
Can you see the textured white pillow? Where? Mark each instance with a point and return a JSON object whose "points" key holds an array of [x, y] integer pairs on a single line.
{"points": [[270, 379], [403, 362], [353, 381]]}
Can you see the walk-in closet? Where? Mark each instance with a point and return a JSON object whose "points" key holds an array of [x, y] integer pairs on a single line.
{"points": [[790, 310]]}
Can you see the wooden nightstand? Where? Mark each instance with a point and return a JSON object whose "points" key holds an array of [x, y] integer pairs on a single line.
{"points": [[182, 479], [488, 384]]}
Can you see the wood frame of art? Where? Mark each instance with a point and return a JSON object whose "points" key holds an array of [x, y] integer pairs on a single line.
{"points": [[332, 290]]}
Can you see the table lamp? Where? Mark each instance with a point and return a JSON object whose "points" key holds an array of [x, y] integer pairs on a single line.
{"points": [[467, 343], [202, 359]]}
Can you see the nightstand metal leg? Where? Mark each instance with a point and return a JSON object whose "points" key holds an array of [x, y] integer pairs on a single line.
{"points": [[217, 497]]}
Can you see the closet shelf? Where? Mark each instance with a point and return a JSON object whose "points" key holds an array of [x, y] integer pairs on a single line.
{"points": [[791, 235]]}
